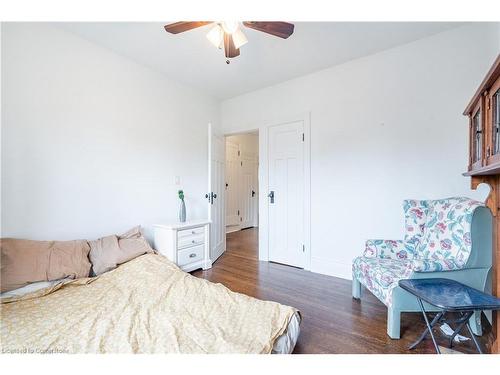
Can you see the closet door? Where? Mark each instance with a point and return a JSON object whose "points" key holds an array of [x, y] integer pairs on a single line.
{"points": [[248, 190], [232, 184]]}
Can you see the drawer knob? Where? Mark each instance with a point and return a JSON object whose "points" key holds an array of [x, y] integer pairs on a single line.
{"points": [[193, 232], [193, 241], [192, 255]]}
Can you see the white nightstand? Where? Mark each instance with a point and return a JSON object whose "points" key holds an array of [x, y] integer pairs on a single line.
{"points": [[186, 244]]}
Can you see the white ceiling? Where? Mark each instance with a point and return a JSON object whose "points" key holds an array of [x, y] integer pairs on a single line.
{"points": [[265, 60]]}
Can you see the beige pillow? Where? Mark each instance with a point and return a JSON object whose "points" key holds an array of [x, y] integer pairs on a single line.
{"points": [[27, 261], [108, 252]]}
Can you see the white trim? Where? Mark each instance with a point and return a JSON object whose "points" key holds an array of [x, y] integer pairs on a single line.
{"points": [[331, 268], [263, 202], [307, 189], [264, 185]]}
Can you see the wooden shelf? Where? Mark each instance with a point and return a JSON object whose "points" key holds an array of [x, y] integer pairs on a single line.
{"points": [[488, 170]]}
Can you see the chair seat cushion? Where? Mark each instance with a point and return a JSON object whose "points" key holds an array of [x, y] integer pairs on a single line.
{"points": [[381, 275]]}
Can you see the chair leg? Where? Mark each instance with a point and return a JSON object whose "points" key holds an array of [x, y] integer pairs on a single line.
{"points": [[356, 288], [393, 323], [475, 323]]}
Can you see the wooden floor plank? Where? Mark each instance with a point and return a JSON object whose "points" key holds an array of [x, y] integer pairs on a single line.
{"points": [[333, 322]]}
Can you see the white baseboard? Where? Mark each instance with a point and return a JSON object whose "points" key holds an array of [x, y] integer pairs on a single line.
{"points": [[235, 228], [331, 268], [232, 228]]}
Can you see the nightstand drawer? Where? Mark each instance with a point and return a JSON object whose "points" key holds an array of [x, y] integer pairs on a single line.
{"points": [[188, 241], [190, 255], [191, 232]]}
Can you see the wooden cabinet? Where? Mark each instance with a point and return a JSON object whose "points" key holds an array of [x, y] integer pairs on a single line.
{"points": [[484, 164], [484, 125]]}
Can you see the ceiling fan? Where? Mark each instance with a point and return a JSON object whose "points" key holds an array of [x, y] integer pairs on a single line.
{"points": [[228, 34]]}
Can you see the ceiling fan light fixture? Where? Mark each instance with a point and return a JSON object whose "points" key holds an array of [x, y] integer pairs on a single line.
{"points": [[239, 39], [228, 34], [216, 36], [230, 26]]}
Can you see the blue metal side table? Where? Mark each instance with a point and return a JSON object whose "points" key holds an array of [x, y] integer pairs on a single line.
{"points": [[449, 296]]}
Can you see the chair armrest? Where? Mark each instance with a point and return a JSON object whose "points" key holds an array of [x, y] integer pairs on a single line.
{"points": [[389, 249], [435, 265]]}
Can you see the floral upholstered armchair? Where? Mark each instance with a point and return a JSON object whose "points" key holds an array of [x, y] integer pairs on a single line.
{"points": [[450, 238]]}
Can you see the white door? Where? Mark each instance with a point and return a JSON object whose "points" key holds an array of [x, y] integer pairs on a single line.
{"points": [[232, 173], [286, 194], [248, 190], [216, 194]]}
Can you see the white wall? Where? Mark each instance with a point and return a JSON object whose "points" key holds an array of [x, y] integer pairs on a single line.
{"points": [[383, 128], [91, 141]]}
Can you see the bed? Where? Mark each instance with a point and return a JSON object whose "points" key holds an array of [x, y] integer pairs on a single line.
{"points": [[147, 305]]}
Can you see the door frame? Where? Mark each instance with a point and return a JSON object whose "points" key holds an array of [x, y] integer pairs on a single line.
{"points": [[263, 128], [264, 185]]}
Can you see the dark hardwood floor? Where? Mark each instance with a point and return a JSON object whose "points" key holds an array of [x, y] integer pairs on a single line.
{"points": [[333, 322]]}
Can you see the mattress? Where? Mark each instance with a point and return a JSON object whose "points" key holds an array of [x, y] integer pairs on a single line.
{"points": [[286, 342], [147, 305]]}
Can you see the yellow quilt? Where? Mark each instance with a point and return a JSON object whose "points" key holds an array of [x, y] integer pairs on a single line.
{"points": [[147, 305]]}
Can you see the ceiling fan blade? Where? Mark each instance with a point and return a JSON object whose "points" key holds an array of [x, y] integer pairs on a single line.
{"points": [[180, 27], [229, 48], [279, 29]]}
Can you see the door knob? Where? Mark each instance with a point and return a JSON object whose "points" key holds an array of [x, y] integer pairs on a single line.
{"points": [[271, 196], [210, 196], [253, 193]]}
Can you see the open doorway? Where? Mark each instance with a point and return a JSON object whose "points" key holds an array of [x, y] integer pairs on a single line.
{"points": [[242, 181]]}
